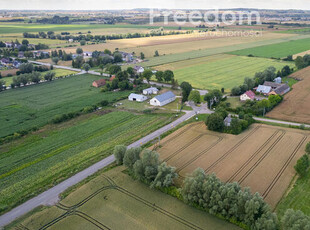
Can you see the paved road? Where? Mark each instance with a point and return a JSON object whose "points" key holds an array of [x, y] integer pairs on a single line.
{"points": [[50, 196]]}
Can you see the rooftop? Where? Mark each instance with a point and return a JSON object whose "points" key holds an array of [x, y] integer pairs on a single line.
{"points": [[164, 96]]}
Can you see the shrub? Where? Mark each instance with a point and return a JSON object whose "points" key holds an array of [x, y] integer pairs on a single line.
{"points": [[302, 165], [119, 153]]}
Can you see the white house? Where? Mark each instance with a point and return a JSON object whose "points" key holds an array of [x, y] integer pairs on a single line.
{"points": [[136, 97], [163, 99], [151, 90], [248, 95]]}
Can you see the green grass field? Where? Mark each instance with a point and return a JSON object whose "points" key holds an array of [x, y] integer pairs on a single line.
{"points": [[161, 60], [279, 50], [35, 105], [31, 164], [298, 198], [119, 202], [215, 72]]}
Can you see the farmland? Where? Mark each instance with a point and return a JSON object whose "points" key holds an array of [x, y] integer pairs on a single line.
{"points": [[279, 50], [298, 197], [114, 200], [295, 106], [35, 105], [261, 158], [215, 72], [37, 161]]}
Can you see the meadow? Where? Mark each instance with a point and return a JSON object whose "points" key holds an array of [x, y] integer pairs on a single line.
{"points": [[279, 50], [113, 200], [298, 197], [262, 158], [35, 105], [217, 71], [30, 165]]}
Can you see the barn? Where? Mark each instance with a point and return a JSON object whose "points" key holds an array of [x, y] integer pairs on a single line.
{"points": [[136, 97], [163, 99]]}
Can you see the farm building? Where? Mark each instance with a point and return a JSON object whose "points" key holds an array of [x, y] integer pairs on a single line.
{"points": [[99, 83], [281, 90], [163, 99], [248, 95], [151, 90], [136, 97], [263, 89], [276, 88]]}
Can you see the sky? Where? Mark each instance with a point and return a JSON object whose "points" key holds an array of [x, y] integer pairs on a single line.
{"points": [[162, 4]]}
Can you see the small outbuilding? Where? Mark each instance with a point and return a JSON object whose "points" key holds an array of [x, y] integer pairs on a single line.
{"points": [[227, 121], [137, 97], [99, 83], [163, 99], [150, 91]]}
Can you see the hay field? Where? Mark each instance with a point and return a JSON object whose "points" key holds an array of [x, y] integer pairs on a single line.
{"points": [[261, 158], [113, 200], [296, 104], [217, 71]]}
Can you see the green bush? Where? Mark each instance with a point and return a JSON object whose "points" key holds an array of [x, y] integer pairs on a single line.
{"points": [[302, 165]]}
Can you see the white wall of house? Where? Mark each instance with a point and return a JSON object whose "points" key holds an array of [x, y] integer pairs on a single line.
{"points": [[139, 98], [244, 97], [155, 102]]}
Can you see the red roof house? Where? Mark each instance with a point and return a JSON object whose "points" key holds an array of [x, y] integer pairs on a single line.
{"points": [[248, 95], [99, 83]]}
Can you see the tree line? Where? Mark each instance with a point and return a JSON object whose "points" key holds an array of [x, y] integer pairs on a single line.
{"points": [[207, 192]]}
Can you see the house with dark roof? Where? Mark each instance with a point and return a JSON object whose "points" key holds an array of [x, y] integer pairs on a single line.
{"points": [[283, 89], [99, 83], [248, 95], [163, 99]]}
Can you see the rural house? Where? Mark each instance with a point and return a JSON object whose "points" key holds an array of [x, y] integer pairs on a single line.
{"points": [[88, 54], [139, 69], [99, 83], [150, 91], [163, 99], [136, 97], [248, 95]]}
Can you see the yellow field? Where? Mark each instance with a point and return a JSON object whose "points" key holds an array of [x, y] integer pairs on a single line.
{"points": [[172, 44], [114, 200], [261, 158]]}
